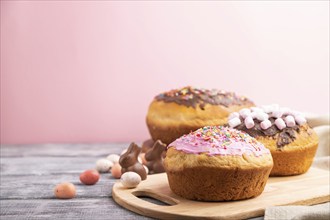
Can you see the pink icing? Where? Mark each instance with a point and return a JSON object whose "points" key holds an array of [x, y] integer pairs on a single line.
{"points": [[219, 140]]}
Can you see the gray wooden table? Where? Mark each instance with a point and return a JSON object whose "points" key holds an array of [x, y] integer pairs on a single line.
{"points": [[29, 174]]}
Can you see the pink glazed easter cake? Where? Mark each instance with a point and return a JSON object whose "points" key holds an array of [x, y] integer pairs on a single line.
{"points": [[217, 163]]}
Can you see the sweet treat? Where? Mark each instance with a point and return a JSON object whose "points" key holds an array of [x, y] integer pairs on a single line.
{"points": [[217, 163], [114, 158], [284, 132], [177, 112], [65, 190], [154, 158], [130, 180], [89, 177], [103, 165], [147, 144], [116, 171], [129, 161]]}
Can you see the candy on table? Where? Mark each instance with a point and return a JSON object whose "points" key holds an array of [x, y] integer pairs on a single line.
{"points": [[154, 157], [65, 190], [89, 177], [103, 165], [129, 161], [114, 158], [116, 171], [130, 179]]}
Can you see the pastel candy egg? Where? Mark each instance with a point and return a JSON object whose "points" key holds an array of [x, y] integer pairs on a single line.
{"points": [[89, 177], [116, 171], [103, 165], [114, 158], [65, 191], [130, 179]]}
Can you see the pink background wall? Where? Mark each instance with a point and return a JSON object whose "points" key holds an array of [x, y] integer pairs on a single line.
{"points": [[86, 71]]}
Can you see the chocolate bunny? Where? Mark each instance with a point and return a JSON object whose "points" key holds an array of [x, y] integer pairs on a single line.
{"points": [[129, 161], [154, 157]]}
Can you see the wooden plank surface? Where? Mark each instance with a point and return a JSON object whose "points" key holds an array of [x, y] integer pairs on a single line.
{"points": [[30, 172]]}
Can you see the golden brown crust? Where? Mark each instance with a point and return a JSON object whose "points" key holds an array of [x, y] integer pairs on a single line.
{"points": [[216, 178], [168, 121], [295, 157]]}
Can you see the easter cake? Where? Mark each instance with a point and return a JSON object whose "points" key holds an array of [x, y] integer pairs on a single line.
{"points": [[284, 132], [217, 163], [174, 113]]}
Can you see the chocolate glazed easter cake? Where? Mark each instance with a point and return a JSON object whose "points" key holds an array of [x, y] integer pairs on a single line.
{"points": [[217, 163], [177, 112], [284, 132]]}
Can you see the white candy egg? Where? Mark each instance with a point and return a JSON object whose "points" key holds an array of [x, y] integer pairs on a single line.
{"points": [[114, 158], [103, 165], [130, 179]]}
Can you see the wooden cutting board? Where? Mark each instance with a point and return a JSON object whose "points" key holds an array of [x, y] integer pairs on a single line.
{"points": [[307, 189]]}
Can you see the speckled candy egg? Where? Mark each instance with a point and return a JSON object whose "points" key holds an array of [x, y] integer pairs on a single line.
{"points": [[114, 158], [65, 191], [130, 179], [103, 165]]}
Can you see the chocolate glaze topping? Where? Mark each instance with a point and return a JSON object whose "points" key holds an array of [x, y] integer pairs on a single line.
{"points": [[129, 161], [286, 136], [193, 97], [154, 157]]}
